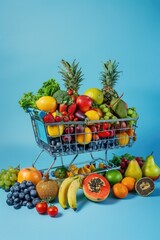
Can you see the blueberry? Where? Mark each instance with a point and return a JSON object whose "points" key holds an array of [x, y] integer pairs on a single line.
{"points": [[17, 206], [24, 203], [24, 181], [16, 200], [33, 193], [9, 201], [16, 188], [29, 205], [26, 191], [9, 195], [29, 183], [17, 184], [31, 188], [52, 173], [22, 185], [12, 189], [13, 197], [7, 189], [21, 195], [35, 201], [27, 197], [16, 194]]}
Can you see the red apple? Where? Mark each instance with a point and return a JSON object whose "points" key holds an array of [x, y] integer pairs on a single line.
{"points": [[84, 103]]}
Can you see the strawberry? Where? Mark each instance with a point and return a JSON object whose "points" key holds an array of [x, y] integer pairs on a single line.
{"points": [[58, 118], [62, 107], [48, 118], [71, 117], [72, 108]]}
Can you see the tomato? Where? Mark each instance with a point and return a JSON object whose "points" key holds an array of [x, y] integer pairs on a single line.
{"points": [[52, 211], [42, 207]]}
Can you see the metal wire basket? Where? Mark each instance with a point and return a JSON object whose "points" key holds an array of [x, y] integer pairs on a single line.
{"points": [[71, 138]]}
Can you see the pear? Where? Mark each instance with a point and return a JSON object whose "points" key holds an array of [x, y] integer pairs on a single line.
{"points": [[133, 170], [150, 168]]}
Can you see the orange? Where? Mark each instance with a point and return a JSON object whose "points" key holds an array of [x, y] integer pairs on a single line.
{"points": [[84, 138], [129, 182], [47, 104], [119, 190], [95, 94], [29, 174], [92, 115], [55, 131]]}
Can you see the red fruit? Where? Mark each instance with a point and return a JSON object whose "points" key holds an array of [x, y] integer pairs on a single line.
{"points": [[93, 129], [105, 126], [41, 207], [104, 134], [72, 108], [75, 119], [84, 103], [111, 133], [70, 92], [123, 165], [124, 160], [140, 163], [52, 211], [69, 130], [64, 113], [95, 137], [122, 171], [67, 138], [48, 118], [66, 119], [58, 118], [62, 107], [71, 117], [74, 98]]}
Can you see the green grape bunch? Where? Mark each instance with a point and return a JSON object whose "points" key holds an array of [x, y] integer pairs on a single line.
{"points": [[8, 177]]}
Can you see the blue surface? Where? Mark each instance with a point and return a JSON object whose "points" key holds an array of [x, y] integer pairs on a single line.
{"points": [[35, 36]]}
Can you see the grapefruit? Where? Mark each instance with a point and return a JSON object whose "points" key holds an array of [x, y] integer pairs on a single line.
{"points": [[95, 94]]}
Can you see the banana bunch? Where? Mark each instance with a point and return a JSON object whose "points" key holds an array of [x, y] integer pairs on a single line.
{"points": [[68, 192]]}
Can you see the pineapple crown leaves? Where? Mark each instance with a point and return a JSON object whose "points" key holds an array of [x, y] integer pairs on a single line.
{"points": [[71, 75], [110, 74]]}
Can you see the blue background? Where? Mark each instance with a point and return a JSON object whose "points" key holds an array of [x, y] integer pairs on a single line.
{"points": [[34, 37]]}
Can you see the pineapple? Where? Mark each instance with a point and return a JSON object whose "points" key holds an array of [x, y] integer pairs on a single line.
{"points": [[72, 76], [109, 78]]}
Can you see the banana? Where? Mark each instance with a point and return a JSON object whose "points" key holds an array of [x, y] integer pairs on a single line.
{"points": [[63, 190], [72, 192]]}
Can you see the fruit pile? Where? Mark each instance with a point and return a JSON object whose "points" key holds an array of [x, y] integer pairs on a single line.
{"points": [[73, 120], [95, 180]]}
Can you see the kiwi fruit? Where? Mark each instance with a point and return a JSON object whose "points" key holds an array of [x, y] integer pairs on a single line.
{"points": [[47, 189], [144, 186]]}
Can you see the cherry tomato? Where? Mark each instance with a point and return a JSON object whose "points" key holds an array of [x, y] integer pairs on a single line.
{"points": [[52, 211], [41, 207]]}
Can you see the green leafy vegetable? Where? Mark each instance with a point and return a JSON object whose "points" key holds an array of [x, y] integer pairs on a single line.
{"points": [[61, 96], [28, 100], [48, 88]]}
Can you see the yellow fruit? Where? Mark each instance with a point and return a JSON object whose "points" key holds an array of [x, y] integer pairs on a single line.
{"points": [[92, 115], [47, 104], [95, 94], [55, 131], [123, 138], [84, 138]]}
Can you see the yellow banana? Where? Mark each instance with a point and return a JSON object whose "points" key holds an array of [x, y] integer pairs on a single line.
{"points": [[63, 190], [72, 192]]}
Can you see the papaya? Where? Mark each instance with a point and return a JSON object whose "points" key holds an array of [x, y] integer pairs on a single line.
{"points": [[96, 187]]}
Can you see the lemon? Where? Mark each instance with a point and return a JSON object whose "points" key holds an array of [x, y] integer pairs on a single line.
{"points": [[95, 94], [55, 131], [47, 104], [84, 138], [92, 115]]}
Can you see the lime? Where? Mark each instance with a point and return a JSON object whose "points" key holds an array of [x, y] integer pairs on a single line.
{"points": [[113, 176], [95, 94]]}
